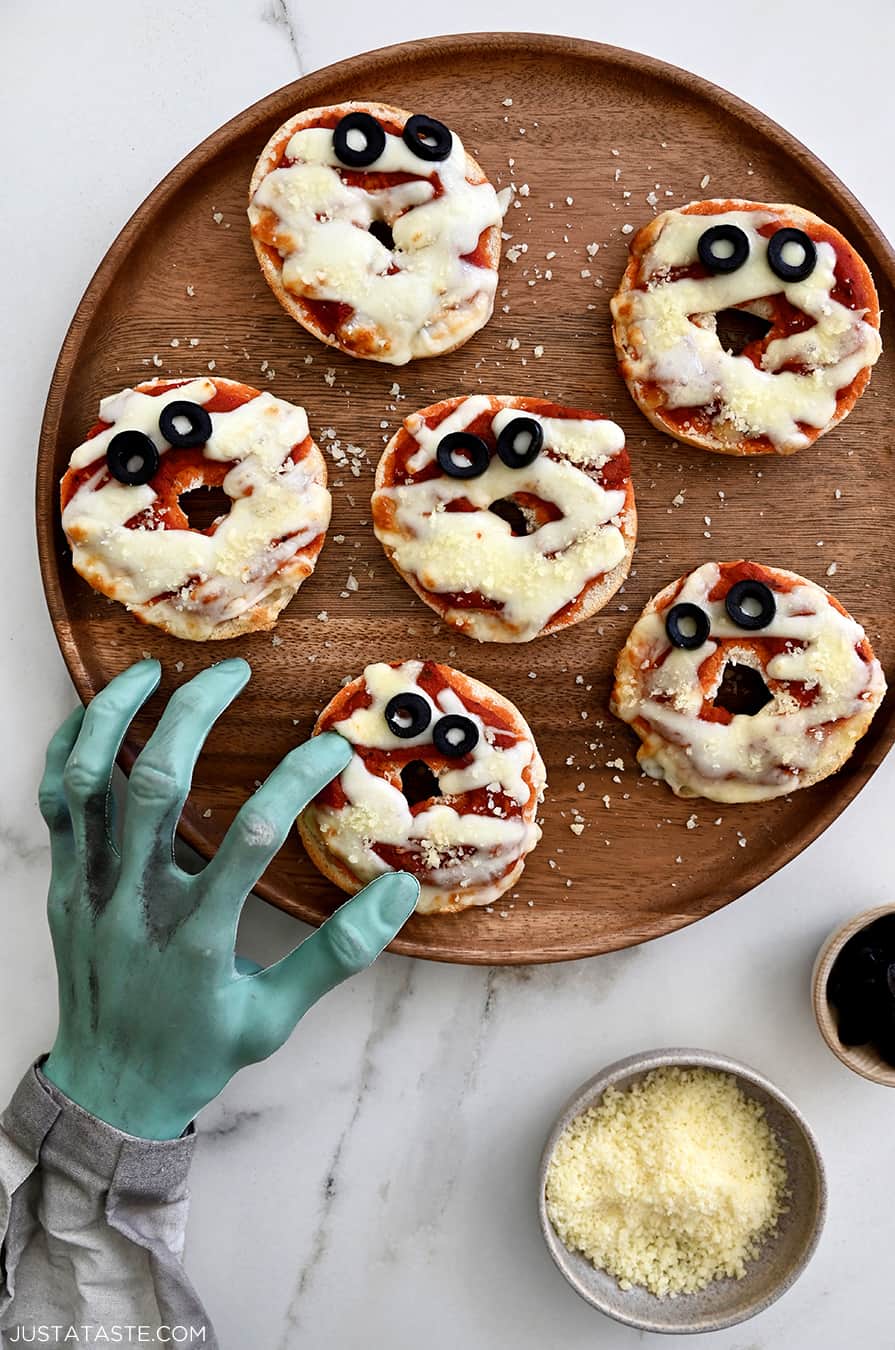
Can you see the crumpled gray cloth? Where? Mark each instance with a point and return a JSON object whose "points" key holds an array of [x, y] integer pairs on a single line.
{"points": [[92, 1225]]}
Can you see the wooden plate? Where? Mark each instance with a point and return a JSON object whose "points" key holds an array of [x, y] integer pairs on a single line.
{"points": [[592, 130]]}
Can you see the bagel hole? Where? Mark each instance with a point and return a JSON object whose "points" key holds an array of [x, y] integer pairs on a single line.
{"points": [[203, 506], [381, 230], [418, 782], [737, 328], [519, 520], [742, 690]]}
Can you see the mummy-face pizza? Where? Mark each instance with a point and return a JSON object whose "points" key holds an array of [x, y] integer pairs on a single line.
{"points": [[129, 535], [745, 682], [510, 517], [694, 277], [376, 230], [444, 782]]}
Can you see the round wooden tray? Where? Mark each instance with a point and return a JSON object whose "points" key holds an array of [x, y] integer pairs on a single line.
{"points": [[592, 130]]}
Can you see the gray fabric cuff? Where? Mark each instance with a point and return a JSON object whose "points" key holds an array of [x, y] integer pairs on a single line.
{"points": [[154, 1169], [95, 1218]]}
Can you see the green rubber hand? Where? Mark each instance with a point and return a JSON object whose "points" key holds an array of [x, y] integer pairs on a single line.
{"points": [[155, 1012]]}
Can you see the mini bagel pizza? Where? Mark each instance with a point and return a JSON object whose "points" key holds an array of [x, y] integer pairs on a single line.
{"points": [[444, 782], [510, 517], [745, 682], [376, 230], [745, 328], [131, 539]]}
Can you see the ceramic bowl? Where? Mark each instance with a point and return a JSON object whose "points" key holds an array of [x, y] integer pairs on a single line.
{"points": [[862, 1059], [726, 1302]]}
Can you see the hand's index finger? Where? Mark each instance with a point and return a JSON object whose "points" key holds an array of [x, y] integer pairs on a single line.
{"points": [[262, 825]]}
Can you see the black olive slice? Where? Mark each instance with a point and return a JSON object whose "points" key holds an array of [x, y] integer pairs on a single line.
{"points": [[427, 138], [519, 444], [792, 271], [882, 933], [861, 987], [861, 963], [856, 1025], [759, 598], [364, 146], [884, 1041], [687, 626], [198, 429], [462, 455], [455, 736], [132, 457], [733, 252], [407, 715]]}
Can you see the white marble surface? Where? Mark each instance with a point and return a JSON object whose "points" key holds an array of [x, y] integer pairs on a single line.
{"points": [[373, 1185]]}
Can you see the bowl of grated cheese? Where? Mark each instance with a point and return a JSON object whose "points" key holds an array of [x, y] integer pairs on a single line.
{"points": [[680, 1192]]}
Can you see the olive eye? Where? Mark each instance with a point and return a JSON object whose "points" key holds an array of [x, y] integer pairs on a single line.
{"points": [[184, 425], [687, 626], [455, 736], [750, 604], [519, 444], [358, 140], [427, 138], [792, 254], [407, 715], [132, 457], [462, 455], [723, 248]]}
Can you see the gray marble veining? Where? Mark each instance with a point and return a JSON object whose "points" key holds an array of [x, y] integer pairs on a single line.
{"points": [[280, 14]]}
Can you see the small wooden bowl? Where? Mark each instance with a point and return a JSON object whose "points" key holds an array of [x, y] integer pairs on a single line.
{"points": [[862, 1059]]}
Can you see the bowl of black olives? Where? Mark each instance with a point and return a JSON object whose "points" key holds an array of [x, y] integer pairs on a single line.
{"points": [[853, 990]]}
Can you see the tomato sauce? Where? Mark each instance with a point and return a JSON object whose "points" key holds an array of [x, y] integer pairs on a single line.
{"points": [[328, 315], [616, 472], [481, 254], [465, 600]]}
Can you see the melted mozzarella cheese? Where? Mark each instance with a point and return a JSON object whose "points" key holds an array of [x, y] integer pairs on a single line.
{"points": [[277, 508], [459, 851], [530, 576], [753, 757], [688, 361], [329, 254]]}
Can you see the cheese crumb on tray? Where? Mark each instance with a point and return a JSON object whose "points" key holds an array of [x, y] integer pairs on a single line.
{"points": [[669, 1184]]}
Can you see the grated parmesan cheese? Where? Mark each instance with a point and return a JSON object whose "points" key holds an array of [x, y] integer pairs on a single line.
{"points": [[669, 1184]]}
